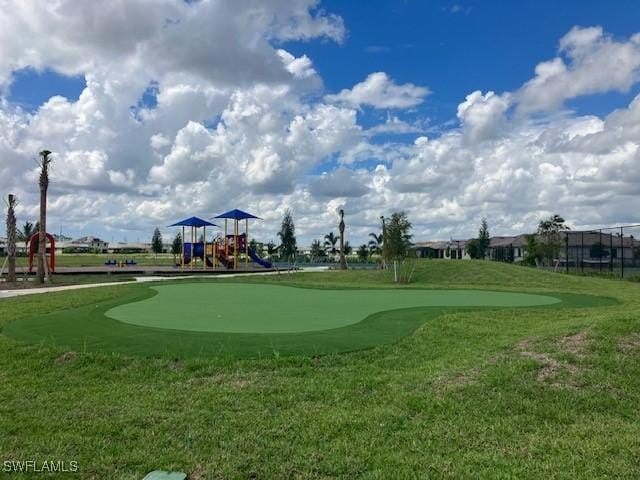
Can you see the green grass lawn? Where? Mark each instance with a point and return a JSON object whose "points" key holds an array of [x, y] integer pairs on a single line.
{"points": [[62, 280], [495, 393], [98, 259]]}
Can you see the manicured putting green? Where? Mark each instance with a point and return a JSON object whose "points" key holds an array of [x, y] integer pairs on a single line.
{"points": [[255, 308]]}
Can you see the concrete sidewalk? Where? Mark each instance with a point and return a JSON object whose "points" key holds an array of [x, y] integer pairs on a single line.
{"points": [[146, 279]]}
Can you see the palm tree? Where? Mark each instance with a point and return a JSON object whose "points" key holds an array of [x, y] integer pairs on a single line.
{"points": [[43, 267], [363, 253], [271, 248], [11, 239], [316, 250], [343, 260], [375, 244], [330, 241], [348, 249]]}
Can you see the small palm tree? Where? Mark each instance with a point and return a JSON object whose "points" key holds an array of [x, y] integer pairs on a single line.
{"points": [[272, 249], [375, 244], [27, 230], [363, 253], [330, 241], [316, 250]]}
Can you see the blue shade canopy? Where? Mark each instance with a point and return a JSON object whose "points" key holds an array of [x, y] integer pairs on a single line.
{"points": [[236, 215], [193, 222]]}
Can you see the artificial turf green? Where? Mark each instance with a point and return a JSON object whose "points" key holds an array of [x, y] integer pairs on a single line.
{"points": [[89, 328], [254, 308]]}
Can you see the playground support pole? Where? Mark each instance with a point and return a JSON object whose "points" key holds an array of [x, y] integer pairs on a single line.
{"points": [[204, 247], [226, 243], [192, 259], [182, 252], [214, 251], [246, 243], [235, 244]]}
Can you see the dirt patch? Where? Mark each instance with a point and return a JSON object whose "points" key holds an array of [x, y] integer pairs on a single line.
{"points": [[575, 344], [629, 343], [66, 357], [550, 366], [457, 379], [552, 372], [239, 383], [197, 474], [230, 381]]}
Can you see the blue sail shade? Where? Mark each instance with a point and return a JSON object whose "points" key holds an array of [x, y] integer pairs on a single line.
{"points": [[193, 222], [236, 214]]}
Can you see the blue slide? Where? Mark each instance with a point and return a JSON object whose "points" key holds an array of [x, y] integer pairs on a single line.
{"points": [[258, 260]]}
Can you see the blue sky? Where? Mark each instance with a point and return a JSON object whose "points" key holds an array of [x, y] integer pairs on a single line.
{"points": [[180, 88], [456, 48]]}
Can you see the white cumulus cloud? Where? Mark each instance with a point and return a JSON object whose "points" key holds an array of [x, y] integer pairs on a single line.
{"points": [[378, 90], [591, 62]]}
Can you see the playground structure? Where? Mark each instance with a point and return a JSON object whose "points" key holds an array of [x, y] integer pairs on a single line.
{"points": [[235, 244], [33, 248], [191, 251], [223, 252]]}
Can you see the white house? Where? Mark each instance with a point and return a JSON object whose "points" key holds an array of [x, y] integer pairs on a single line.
{"points": [[448, 249]]}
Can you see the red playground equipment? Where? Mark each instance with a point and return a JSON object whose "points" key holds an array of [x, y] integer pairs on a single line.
{"points": [[33, 248], [235, 244], [226, 252]]}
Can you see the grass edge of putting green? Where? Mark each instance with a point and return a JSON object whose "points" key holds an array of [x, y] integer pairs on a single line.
{"points": [[88, 329]]}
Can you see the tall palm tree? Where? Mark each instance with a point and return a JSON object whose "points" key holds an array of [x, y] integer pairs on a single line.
{"points": [[375, 244], [330, 241], [343, 260], [43, 267], [11, 239]]}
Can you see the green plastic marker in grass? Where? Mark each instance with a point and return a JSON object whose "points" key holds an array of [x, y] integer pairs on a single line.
{"points": [[162, 475]]}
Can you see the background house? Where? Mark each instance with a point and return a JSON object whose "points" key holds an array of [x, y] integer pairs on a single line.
{"points": [[432, 249], [449, 249], [507, 249], [596, 248], [86, 244]]}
